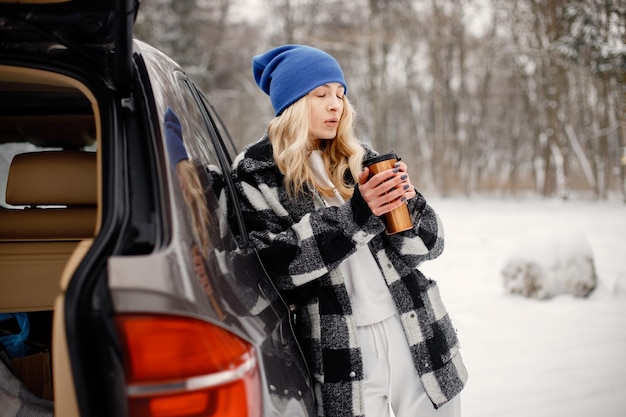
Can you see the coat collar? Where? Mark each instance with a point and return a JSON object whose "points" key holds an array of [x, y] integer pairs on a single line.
{"points": [[258, 156]]}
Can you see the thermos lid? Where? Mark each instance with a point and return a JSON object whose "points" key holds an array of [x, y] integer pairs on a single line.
{"points": [[379, 158]]}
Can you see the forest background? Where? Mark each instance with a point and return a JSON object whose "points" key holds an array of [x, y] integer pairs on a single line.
{"points": [[478, 97]]}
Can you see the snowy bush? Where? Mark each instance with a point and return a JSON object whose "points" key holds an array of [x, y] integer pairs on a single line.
{"points": [[545, 265]]}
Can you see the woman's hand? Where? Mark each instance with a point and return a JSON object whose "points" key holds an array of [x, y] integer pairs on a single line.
{"points": [[386, 190]]}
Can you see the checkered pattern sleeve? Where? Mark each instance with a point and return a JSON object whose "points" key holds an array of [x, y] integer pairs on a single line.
{"points": [[421, 243]]}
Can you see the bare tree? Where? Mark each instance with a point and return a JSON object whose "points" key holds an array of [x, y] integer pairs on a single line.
{"points": [[533, 102]]}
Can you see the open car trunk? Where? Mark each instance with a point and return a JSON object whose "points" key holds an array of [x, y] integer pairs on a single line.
{"points": [[49, 217], [51, 185]]}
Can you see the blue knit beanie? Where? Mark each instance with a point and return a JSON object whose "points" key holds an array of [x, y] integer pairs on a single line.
{"points": [[289, 72], [174, 138]]}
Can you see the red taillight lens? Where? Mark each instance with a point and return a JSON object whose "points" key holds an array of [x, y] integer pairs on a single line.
{"points": [[180, 366]]}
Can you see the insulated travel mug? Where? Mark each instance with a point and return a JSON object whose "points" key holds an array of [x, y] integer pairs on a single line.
{"points": [[398, 219]]}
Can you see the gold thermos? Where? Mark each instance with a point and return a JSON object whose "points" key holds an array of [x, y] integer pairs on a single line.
{"points": [[399, 218]]}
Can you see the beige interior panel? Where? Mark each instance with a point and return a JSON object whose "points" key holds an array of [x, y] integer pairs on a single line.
{"points": [[52, 177], [28, 271], [41, 224], [65, 403], [79, 253]]}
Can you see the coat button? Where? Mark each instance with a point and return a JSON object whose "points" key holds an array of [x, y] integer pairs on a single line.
{"points": [[352, 374]]}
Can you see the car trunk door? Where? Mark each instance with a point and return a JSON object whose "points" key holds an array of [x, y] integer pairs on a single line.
{"points": [[97, 30]]}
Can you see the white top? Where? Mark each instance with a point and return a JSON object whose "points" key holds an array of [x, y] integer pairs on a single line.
{"points": [[370, 298]]}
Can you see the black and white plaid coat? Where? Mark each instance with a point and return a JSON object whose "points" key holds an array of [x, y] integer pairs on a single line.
{"points": [[302, 242]]}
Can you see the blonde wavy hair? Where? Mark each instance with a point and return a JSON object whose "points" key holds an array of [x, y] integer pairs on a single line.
{"points": [[195, 200], [289, 136]]}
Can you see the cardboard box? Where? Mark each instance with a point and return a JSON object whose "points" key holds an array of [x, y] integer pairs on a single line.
{"points": [[35, 371]]}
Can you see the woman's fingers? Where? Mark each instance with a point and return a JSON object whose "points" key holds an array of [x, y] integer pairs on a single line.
{"points": [[386, 190]]}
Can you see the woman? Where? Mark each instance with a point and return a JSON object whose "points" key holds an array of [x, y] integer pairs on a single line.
{"points": [[366, 313]]}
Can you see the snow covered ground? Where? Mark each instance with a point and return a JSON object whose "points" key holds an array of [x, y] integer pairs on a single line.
{"points": [[564, 356]]}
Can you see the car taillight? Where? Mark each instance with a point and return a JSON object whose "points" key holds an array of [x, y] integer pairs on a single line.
{"points": [[184, 367]]}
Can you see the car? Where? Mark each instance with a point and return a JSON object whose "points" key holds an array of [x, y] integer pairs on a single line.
{"points": [[127, 284]]}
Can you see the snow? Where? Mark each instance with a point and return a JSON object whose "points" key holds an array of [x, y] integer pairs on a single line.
{"points": [[544, 266], [563, 356]]}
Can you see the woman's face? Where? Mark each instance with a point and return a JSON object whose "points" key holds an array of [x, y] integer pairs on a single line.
{"points": [[326, 110]]}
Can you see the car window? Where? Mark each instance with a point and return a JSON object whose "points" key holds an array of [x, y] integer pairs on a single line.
{"points": [[197, 138], [7, 152], [196, 165], [203, 181], [226, 140]]}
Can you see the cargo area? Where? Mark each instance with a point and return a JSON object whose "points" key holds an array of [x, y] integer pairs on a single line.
{"points": [[49, 216], [29, 360]]}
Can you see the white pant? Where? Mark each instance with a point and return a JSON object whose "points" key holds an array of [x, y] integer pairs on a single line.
{"points": [[391, 383]]}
